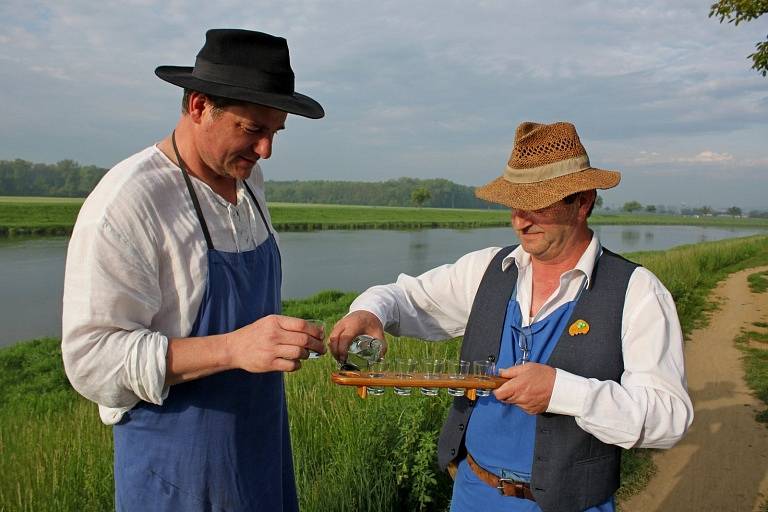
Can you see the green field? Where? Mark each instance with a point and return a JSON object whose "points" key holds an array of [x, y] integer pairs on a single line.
{"points": [[350, 454], [43, 216]]}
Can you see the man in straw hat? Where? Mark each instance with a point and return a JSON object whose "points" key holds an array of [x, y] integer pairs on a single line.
{"points": [[172, 294], [590, 342]]}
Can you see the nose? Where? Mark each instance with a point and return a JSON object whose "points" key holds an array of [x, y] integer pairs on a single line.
{"points": [[263, 146], [519, 219]]}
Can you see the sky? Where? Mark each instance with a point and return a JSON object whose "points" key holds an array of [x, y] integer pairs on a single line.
{"points": [[429, 89]]}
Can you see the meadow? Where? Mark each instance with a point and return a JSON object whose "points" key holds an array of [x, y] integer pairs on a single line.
{"points": [[44, 216], [350, 454]]}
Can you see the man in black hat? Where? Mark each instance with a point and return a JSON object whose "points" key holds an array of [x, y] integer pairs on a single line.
{"points": [[172, 294]]}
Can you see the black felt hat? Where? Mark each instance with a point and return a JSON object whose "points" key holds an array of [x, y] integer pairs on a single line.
{"points": [[244, 65]]}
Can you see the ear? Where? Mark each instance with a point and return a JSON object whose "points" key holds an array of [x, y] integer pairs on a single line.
{"points": [[196, 106], [586, 199]]}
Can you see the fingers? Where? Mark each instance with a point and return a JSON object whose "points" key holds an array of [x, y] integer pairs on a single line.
{"points": [[529, 387], [354, 324], [286, 365], [291, 324], [339, 341], [509, 373], [300, 332], [294, 352], [274, 343], [505, 392]]}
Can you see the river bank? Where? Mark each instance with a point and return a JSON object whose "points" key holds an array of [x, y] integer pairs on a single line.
{"points": [[43, 216]]}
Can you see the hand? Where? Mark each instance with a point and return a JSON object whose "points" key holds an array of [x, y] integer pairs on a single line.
{"points": [[354, 324], [274, 343], [529, 387]]}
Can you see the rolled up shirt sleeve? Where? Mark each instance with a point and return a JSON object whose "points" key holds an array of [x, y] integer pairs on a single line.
{"points": [[650, 407], [434, 305], [111, 293]]}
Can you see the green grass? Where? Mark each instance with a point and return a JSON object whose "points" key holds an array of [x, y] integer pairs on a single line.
{"points": [[758, 282], [690, 272], [56, 454], [350, 454], [38, 215], [56, 216], [754, 344]]}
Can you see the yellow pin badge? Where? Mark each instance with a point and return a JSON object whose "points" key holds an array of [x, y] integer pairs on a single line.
{"points": [[578, 327]]}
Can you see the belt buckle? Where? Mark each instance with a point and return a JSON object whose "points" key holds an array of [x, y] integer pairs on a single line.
{"points": [[502, 481]]}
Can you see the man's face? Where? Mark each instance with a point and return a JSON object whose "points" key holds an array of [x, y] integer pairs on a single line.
{"points": [[550, 233], [232, 140]]}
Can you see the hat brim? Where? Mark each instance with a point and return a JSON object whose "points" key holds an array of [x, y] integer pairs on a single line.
{"points": [[296, 103], [534, 196]]}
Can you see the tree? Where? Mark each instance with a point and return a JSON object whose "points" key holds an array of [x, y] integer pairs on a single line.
{"points": [[734, 211], [599, 202], [632, 206], [736, 11], [650, 208], [419, 196]]}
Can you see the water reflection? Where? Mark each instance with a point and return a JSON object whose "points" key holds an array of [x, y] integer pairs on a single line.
{"points": [[630, 238], [417, 248]]}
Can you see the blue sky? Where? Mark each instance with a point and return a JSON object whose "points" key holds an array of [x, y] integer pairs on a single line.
{"points": [[426, 89]]}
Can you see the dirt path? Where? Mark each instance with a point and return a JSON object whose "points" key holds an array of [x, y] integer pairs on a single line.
{"points": [[722, 463]]}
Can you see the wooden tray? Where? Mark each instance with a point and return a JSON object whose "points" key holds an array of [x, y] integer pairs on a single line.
{"points": [[361, 380]]}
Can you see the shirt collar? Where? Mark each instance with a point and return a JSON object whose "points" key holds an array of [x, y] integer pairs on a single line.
{"points": [[585, 265]]}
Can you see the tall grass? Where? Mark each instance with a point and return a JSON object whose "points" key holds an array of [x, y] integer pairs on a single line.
{"points": [[55, 454], [689, 272], [376, 454]]}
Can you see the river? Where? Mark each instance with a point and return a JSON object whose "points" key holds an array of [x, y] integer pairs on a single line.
{"points": [[32, 270]]}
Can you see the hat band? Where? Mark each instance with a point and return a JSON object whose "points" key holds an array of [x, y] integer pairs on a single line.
{"points": [[237, 76], [548, 171]]}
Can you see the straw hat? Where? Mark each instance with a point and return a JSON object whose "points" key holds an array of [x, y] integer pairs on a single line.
{"points": [[547, 164]]}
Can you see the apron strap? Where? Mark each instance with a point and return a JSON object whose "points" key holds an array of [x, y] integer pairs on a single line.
{"points": [[192, 194], [264, 220], [258, 207]]}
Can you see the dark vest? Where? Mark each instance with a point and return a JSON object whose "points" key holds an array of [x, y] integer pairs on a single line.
{"points": [[572, 470]]}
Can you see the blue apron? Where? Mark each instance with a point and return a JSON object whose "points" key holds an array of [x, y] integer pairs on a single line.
{"points": [[219, 443], [501, 436]]}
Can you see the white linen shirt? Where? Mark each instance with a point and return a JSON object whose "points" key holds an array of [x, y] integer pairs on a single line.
{"points": [[136, 272], [648, 408]]}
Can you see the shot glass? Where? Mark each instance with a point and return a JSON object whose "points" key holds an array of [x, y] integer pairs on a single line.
{"points": [[377, 370], [321, 325], [458, 370], [433, 369], [483, 370], [404, 369]]}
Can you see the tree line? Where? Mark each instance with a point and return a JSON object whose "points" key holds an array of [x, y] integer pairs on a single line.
{"points": [[731, 211], [436, 193], [67, 178]]}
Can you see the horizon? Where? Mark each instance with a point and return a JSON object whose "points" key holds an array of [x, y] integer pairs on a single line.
{"points": [[661, 92]]}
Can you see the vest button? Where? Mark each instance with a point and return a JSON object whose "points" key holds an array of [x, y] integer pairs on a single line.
{"points": [[453, 451], [491, 358], [461, 427]]}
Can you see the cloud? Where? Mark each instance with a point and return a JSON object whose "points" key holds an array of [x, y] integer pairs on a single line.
{"points": [[432, 89], [708, 157]]}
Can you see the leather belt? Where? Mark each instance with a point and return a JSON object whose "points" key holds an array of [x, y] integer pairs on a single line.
{"points": [[505, 486]]}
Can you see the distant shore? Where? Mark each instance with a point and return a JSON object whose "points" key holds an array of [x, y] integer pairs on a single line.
{"points": [[48, 216]]}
